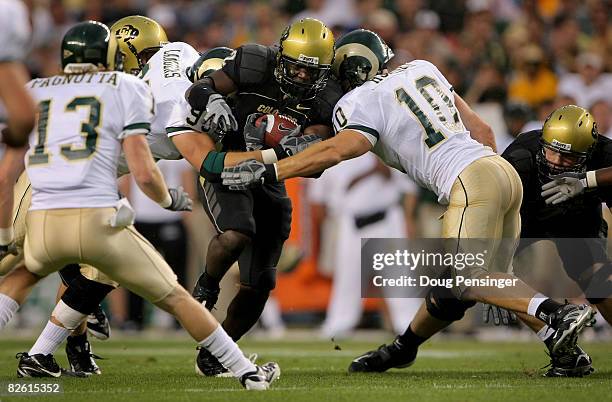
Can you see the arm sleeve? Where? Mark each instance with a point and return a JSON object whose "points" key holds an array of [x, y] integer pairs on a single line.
{"points": [[15, 32], [137, 105]]}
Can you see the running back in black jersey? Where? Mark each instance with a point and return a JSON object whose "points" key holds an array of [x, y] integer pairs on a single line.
{"points": [[252, 70], [580, 216]]}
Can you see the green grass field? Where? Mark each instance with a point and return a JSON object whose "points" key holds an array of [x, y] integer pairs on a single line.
{"points": [[162, 370]]}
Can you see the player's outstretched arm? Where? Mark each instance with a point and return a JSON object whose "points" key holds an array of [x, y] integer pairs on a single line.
{"points": [[18, 103], [479, 130], [569, 185]]}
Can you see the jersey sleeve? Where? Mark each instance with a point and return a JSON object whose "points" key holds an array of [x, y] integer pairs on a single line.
{"points": [[183, 118], [249, 65], [15, 32], [360, 117], [137, 105]]}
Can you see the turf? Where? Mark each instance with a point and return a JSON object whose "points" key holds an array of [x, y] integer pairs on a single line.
{"points": [[314, 371]]}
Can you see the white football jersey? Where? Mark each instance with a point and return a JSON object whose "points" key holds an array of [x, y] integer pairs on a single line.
{"points": [[410, 118], [72, 161], [15, 30], [166, 73]]}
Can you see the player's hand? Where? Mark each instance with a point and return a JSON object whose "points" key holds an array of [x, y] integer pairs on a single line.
{"points": [[294, 143], [7, 249], [500, 315], [247, 174], [218, 119], [180, 200], [564, 187], [254, 136]]}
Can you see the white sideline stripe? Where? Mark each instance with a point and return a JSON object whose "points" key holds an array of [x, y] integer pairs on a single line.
{"points": [[271, 352]]}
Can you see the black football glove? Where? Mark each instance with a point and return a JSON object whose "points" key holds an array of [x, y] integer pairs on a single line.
{"points": [[254, 136], [500, 315], [247, 174], [180, 200]]}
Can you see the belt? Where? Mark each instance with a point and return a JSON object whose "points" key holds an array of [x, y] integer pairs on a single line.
{"points": [[365, 220]]}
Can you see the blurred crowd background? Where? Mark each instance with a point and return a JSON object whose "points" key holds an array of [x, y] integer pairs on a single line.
{"points": [[514, 61]]}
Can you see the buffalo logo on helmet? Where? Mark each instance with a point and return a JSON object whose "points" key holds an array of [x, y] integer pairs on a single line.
{"points": [[127, 32]]}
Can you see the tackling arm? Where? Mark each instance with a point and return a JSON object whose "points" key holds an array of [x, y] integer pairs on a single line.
{"points": [[18, 103], [479, 130]]}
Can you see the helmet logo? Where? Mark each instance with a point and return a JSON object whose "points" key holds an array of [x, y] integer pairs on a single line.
{"points": [[127, 32], [67, 53], [308, 59], [562, 145]]}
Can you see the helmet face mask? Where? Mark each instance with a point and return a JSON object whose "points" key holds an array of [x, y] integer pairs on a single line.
{"points": [[304, 59], [568, 138], [139, 39], [360, 55], [89, 46]]}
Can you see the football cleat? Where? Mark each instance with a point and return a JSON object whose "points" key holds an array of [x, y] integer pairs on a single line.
{"points": [[569, 320], [207, 365], [394, 355], [261, 379], [40, 365], [98, 325], [203, 294], [81, 358], [575, 363]]}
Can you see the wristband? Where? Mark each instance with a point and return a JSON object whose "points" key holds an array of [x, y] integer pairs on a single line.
{"points": [[213, 166], [269, 156], [591, 179], [6, 236], [271, 174], [166, 202]]}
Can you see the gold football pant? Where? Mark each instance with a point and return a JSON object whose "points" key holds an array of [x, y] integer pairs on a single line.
{"points": [[484, 206], [58, 237]]}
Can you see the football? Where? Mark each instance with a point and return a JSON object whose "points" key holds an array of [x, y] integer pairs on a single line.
{"points": [[277, 126]]}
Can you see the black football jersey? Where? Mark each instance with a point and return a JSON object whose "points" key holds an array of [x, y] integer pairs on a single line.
{"points": [[252, 70], [578, 217]]}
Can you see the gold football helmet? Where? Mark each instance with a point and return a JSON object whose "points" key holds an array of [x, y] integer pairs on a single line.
{"points": [[572, 132], [139, 38], [304, 58]]}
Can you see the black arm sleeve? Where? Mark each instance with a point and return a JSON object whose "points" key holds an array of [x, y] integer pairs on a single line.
{"points": [[198, 93]]}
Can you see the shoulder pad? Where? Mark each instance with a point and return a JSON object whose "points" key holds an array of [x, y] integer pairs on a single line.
{"points": [[252, 65], [520, 158]]}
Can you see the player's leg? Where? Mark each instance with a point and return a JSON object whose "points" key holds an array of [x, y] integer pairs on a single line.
{"points": [[231, 213], [138, 267]]}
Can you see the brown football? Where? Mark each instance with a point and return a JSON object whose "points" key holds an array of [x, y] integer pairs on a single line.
{"points": [[277, 127]]}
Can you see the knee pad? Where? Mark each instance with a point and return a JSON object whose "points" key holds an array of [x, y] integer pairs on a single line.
{"points": [[85, 295], [265, 280], [69, 317], [443, 305]]}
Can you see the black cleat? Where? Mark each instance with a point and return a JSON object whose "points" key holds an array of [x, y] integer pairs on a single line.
{"points": [[204, 294], [40, 365], [261, 379], [385, 357], [207, 365], [568, 321], [81, 358], [575, 363], [98, 324]]}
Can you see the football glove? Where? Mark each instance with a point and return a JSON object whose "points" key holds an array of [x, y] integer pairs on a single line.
{"points": [[218, 119], [254, 136], [247, 174], [294, 143], [500, 315], [564, 187], [180, 200], [7, 249]]}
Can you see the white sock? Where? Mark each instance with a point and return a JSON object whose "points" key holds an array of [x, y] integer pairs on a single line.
{"points": [[227, 352], [50, 339], [545, 332], [534, 303], [8, 307]]}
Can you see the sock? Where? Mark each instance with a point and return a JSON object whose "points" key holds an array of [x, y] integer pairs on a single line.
{"points": [[542, 307], [8, 307], [50, 339], [409, 338], [545, 334], [227, 352]]}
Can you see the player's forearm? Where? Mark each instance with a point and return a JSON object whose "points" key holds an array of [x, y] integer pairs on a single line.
{"points": [[18, 104], [11, 166], [603, 177], [234, 158], [152, 183], [313, 160], [144, 170]]}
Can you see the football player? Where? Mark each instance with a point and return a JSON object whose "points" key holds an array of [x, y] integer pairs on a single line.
{"points": [[86, 115], [293, 80], [414, 121], [19, 107], [568, 144]]}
